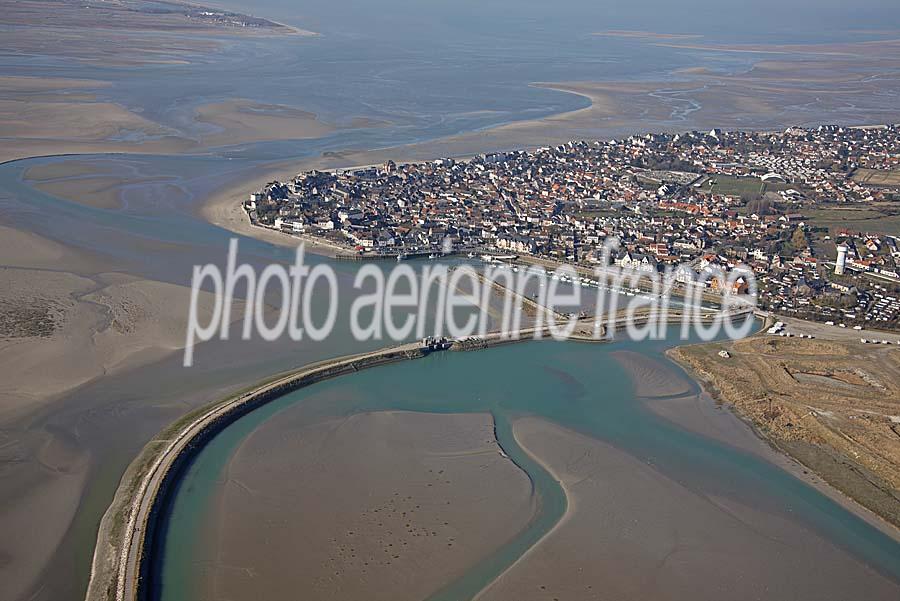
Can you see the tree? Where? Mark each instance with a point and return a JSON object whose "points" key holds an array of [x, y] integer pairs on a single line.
{"points": [[759, 205], [798, 239]]}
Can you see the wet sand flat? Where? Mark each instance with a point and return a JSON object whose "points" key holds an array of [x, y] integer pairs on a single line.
{"points": [[55, 115], [618, 542], [64, 322], [385, 505], [76, 121], [37, 505], [804, 86], [247, 121], [46, 105], [100, 192], [60, 330], [652, 378], [96, 183]]}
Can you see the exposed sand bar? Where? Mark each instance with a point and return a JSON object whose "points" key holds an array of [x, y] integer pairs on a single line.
{"points": [[119, 558], [64, 321], [33, 126], [381, 506], [247, 121], [651, 378], [616, 541], [96, 183]]}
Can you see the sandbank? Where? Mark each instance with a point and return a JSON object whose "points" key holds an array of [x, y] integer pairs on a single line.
{"points": [[617, 541], [242, 120], [386, 505]]}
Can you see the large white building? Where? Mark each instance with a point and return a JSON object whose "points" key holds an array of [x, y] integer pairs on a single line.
{"points": [[841, 262]]}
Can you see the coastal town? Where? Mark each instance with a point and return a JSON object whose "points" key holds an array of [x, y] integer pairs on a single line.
{"points": [[790, 205]]}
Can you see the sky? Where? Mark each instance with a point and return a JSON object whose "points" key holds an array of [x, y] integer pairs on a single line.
{"points": [[779, 20]]}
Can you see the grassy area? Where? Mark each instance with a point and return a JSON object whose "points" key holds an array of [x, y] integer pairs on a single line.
{"points": [[856, 218], [878, 177], [594, 214], [735, 186], [806, 396]]}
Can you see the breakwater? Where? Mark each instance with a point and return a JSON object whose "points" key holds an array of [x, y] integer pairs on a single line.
{"points": [[123, 556], [122, 564]]}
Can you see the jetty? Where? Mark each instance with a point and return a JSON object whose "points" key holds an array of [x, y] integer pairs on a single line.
{"points": [[127, 530], [122, 556]]}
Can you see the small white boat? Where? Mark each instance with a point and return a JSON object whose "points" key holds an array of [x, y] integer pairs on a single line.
{"points": [[400, 257]]}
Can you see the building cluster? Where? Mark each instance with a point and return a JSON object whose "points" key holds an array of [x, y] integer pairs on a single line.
{"points": [[209, 17], [703, 198]]}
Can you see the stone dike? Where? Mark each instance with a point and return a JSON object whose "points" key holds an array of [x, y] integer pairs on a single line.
{"points": [[123, 558]]}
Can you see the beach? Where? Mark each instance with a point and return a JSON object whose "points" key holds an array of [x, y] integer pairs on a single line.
{"points": [[224, 208], [699, 546], [845, 434], [387, 505], [89, 359], [153, 305]]}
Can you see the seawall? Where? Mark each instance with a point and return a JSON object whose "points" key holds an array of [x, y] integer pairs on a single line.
{"points": [[122, 563]]}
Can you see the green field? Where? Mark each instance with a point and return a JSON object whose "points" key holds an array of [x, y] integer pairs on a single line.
{"points": [[864, 219], [735, 186]]}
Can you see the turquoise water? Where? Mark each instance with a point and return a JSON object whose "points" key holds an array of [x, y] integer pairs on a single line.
{"points": [[422, 71], [579, 386]]}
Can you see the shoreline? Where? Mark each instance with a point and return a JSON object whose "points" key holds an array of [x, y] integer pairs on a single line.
{"points": [[224, 206], [120, 561], [117, 572], [510, 134], [118, 565], [225, 195], [789, 461]]}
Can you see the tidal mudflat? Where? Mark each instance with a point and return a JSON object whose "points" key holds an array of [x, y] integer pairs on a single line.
{"points": [[627, 499], [90, 370], [388, 505], [618, 540]]}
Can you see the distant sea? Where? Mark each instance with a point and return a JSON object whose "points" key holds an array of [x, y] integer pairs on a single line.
{"points": [[425, 70]]}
